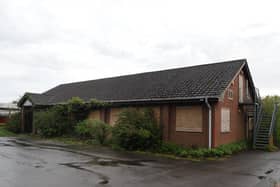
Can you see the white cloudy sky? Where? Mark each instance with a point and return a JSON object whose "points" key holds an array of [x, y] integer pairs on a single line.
{"points": [[48, 42]]}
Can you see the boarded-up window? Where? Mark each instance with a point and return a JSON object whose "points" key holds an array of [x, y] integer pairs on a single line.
{"points": [[114, 115], [225, 126], [241, 88], [189, 119], [247, 89], [251, 123], [156, 111], [94, 115]]}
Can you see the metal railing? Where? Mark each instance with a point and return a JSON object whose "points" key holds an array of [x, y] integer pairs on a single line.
{"points": [[273, 119], [258, 117], [258, 96]]}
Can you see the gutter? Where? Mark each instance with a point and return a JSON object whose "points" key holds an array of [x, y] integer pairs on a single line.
{"points": [[209, 123]]}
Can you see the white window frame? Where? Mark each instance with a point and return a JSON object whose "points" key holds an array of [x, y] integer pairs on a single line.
{"points": [[230, 94], [225, 120]]}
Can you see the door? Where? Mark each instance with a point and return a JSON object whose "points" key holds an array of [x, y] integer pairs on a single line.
{"points": [[28, 119], [250, 127]]}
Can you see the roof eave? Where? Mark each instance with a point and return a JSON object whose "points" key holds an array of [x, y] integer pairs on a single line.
{"points": [[25, 97], [158, 100]]}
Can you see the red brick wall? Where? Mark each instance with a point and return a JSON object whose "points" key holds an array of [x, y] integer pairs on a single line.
{"points": [[168, 120], [238, 120], [168, 123]]}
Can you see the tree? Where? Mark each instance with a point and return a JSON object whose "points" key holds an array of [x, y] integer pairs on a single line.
{"points": [[268, 106]]}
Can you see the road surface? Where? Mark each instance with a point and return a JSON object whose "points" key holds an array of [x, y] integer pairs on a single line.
{"points": [[31, 164]]}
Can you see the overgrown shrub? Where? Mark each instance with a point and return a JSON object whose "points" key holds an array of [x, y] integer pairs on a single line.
{"points": [[51, 122], [101, 131], [84, 128], [170, 148], [77, 109], [271, 148], [62, 119], [223, 150], [137, 130], [96, 129], [13, 124]]}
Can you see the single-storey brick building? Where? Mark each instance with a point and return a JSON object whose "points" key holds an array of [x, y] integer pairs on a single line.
{"points": [[206, 105]]}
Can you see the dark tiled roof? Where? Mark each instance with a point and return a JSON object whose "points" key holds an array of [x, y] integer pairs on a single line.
{"points": [[208, 80], [38, 99]]}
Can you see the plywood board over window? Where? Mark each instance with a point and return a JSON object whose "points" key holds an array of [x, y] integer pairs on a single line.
{"points": [[225, 126], [156, 111], [189, 119], [241, 88], [94, 115], [114, 115]]}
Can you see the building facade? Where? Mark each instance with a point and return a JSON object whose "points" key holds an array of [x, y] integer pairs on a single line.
{"points": [[199, 106]]}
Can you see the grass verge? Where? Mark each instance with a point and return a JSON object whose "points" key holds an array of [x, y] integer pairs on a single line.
{"points": [[5, 133]]}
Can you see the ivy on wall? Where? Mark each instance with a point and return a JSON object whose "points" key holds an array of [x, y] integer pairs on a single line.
{"points": [[62, 119]]}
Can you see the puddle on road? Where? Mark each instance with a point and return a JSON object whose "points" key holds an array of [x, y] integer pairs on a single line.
{"points": [[115, 163], [107, 162], [103, 182], [6, 145], [19, 143], [266, 173], [38, 166], [261, 177], [103, 179], [269, 179], [85, 166], [269, 171]]}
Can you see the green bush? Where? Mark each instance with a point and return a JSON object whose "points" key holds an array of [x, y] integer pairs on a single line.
{"points": [[51, 122], [84, 128], [13, 124], [271, 148], [101, 131], [77, 109], [62, 119], [170, 148], [228, 149], [95, 129], [197, 153], [137, 130]]}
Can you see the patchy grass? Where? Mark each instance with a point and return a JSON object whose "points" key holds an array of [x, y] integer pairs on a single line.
{"points": [[68, 140], [74, 141], [4, 132], [166, 150], [271, 148]]}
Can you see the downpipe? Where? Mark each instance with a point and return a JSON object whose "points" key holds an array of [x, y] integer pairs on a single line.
{"points": [[209, 123]]}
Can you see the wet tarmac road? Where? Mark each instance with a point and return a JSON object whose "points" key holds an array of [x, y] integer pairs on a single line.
{"points": [[30, 164]]}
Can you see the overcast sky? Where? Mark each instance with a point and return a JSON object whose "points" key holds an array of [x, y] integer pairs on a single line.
{"points": [[44, 43]]}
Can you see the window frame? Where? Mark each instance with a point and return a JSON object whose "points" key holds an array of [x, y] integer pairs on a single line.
{"points": [[189, 129], [228, 120], [230, 94]]}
